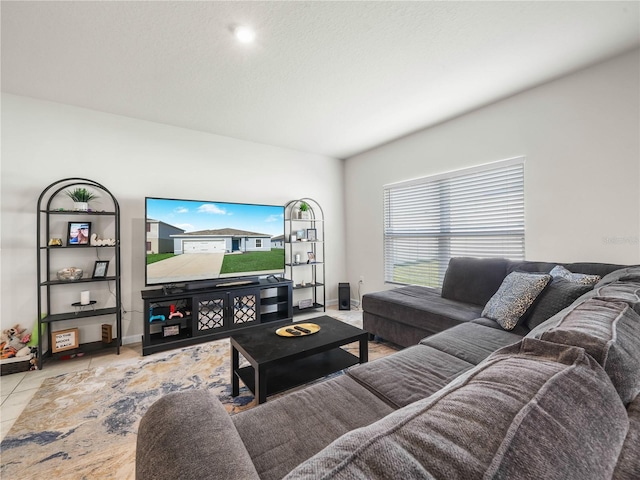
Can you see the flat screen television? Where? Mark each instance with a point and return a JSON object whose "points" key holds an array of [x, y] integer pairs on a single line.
{"points": [[198, 243]]}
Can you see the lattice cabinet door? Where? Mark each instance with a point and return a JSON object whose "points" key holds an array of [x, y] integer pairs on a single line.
{"points": [[210, 315], [246, 307]]}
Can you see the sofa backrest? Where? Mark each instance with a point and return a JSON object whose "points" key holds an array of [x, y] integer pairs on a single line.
{"points": [[590, 268], [526, 413], [475, 280]]}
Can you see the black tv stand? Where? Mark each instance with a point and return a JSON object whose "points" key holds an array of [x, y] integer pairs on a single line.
{"points": [[179, 317], [172, 289]]}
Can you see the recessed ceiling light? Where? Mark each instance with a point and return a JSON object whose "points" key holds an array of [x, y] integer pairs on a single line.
{"points": [[244, 34]]}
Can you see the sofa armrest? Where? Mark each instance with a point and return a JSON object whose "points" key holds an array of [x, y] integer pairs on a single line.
{"points": [[187, 435]]}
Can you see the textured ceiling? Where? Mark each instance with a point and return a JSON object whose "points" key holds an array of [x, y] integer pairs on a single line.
{"points": [[334, 78]]}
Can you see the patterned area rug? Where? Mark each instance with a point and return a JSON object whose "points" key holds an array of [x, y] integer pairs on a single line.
{"points": [[83, 425]]}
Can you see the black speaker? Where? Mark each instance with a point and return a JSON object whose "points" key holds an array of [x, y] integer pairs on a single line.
{"points": [[344, 296]]}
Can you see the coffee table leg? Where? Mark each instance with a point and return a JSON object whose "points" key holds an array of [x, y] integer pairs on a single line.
{"points": [[261, 385], [364, 349], [235, 381]]}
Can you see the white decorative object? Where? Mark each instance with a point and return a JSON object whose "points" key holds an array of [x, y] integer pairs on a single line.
{"points": [[81, 206], [105, 242], [85, 297]]}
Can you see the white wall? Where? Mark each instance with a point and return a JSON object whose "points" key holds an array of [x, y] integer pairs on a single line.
{"points": [[43, 142], [581, 137]]}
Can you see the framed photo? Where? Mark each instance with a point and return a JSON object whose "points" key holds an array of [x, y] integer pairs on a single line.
{"points": [[311, 256], [100, 269], [300, 235], [64, 340], [312, 234], [78, 233]]}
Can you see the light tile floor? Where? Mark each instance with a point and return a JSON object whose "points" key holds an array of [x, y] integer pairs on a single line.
{"points": [[17, 389]]}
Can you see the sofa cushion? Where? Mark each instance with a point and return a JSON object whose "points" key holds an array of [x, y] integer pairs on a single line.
{"points": [[286, 431], [533, 410], [514, 297], [409, 375], [582, 278], [473, 280], [629, 274], [625, 289], [628, 467], [471, 342], [609, 331], [420, 307], [559, 294]]}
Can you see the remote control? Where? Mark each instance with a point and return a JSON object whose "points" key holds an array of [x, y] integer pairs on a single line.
{"points": [[292, 331], [302, 329]]}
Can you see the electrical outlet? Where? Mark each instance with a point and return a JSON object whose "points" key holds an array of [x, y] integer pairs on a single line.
{"points": [[361, 279]]}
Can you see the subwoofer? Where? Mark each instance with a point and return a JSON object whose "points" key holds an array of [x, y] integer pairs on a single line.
{"points": [[344, 296]]}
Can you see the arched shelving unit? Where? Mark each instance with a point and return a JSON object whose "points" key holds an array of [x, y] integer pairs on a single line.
{"points": [[55, 219], [305, 254]]}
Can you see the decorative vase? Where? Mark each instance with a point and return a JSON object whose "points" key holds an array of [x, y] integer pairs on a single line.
{"points": [[305, 215], [81, 206]]}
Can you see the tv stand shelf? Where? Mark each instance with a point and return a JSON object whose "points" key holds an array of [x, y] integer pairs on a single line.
{"points": [[212, 313]]}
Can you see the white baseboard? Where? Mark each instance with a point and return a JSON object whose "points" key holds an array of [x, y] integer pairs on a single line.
{"points": [[132, 339]]}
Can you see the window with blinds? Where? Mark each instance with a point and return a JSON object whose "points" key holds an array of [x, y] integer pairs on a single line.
{"points": [[476, 212]]}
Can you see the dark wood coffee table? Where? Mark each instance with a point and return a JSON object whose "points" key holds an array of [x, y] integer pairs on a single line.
{"points": [[280, 363]]}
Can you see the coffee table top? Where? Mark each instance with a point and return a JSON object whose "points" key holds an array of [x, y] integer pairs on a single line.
{"points": [[261, 345]]}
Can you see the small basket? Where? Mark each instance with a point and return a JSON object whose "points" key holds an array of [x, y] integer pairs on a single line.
{"points": [[15, 365]]}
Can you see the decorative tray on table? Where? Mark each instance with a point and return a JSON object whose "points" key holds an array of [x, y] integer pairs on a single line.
{"points": [[298, 330]]}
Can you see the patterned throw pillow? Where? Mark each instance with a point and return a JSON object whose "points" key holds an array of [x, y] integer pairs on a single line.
{"points": [[582, 278], [514, 297]]}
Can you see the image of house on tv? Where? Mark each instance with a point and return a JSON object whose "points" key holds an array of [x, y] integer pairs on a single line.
{"points": [[223, 240], [159, 236]]}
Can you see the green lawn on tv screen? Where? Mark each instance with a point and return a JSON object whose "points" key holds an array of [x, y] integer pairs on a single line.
{"points": [[254, 261]]}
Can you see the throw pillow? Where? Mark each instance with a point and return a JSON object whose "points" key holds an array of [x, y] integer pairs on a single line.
{"points": [[558, 295], [609, 331], [514, 297], [560, 271]]}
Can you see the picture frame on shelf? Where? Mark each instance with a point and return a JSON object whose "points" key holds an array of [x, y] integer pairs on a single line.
{"points": [[311, 257], [78, 233], [300, 235], [63, 340], [312, 234], [100, 269]]}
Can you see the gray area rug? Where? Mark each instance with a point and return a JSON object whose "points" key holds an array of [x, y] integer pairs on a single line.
{"points": [[84, 424]]}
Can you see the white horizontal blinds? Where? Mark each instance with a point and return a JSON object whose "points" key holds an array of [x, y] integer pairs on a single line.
{"points": [[475, 212]]}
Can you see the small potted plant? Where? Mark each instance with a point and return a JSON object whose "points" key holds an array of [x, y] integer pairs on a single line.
{"points": [[81, 198], [305, 211]]}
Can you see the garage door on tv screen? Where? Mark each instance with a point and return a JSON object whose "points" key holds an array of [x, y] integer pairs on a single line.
{"points": [[190, 240]]}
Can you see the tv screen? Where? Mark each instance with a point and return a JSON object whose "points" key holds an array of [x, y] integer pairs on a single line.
{"points": [[191, 240]]}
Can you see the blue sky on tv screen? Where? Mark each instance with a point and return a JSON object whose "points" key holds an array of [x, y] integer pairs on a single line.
{"points": [[193, 215]]}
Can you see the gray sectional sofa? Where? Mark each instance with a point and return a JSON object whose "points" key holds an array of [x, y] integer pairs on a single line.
{"points": [[556, 401], [406, 315]]}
